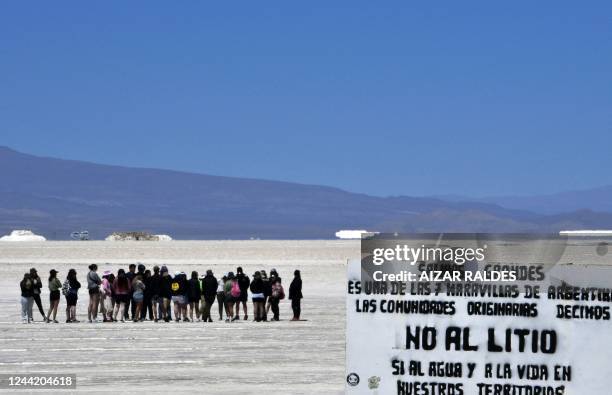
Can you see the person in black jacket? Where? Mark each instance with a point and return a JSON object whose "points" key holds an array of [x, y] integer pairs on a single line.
{"points": [[257, 295], [27, 298], [36, 286], [154, 289], [147, 303], [179, 287], [209, 293], [194, 293], [130, 276], [165, 291], [267, 284], [243, 283], [295, 295]]}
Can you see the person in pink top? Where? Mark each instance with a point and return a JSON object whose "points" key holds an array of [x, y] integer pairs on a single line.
{"points": [[121, 288]]}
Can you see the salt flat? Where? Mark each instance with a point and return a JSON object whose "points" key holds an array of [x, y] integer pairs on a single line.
{"points": [[216, 358]]}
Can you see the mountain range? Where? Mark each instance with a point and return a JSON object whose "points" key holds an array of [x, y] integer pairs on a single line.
{"points": [[54, 197]]}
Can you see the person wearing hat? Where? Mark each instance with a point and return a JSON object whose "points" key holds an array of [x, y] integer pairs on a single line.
{"points": [[55, 285], [257, 295], [36, 286], [295, 295]]}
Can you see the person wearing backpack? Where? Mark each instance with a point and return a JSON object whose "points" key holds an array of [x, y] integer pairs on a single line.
{"points": [[278, 294], [232, 293], [27, 298], [71, 292], [273, 276], [295, 295], [243, 283], [93, 286]]}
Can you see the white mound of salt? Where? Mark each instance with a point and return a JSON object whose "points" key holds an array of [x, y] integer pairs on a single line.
{"points": [[22, 235], [353, 234]]}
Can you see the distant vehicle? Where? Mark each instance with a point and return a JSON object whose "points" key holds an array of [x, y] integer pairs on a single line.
{"points": [[81, 235]]}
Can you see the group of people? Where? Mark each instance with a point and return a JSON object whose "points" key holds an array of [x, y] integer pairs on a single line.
{"points": [[133, 294]]}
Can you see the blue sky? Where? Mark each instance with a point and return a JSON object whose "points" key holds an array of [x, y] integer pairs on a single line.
{"points": [[470, 98]]}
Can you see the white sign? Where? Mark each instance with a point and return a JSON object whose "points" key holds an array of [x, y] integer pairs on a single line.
{"points": [[490, 341]]}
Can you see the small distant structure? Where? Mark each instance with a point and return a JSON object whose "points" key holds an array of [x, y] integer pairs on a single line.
{"points": [[22, 235], [136, 236], [586, 233], [80, 235], [351, 234]]}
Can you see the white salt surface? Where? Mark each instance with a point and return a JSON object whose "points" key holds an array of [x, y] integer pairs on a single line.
{"points": [[217, 358]]}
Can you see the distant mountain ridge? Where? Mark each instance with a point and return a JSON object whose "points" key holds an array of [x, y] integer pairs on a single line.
{"points": [[596, 199], [599, 199], [54, 197]]}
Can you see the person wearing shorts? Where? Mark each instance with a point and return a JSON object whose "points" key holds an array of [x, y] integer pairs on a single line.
{"points": [[243, 282], [229, 299], [122, 290], [72, 286], [55, 285], [138, 287], [178, 287], [257, 295]]}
